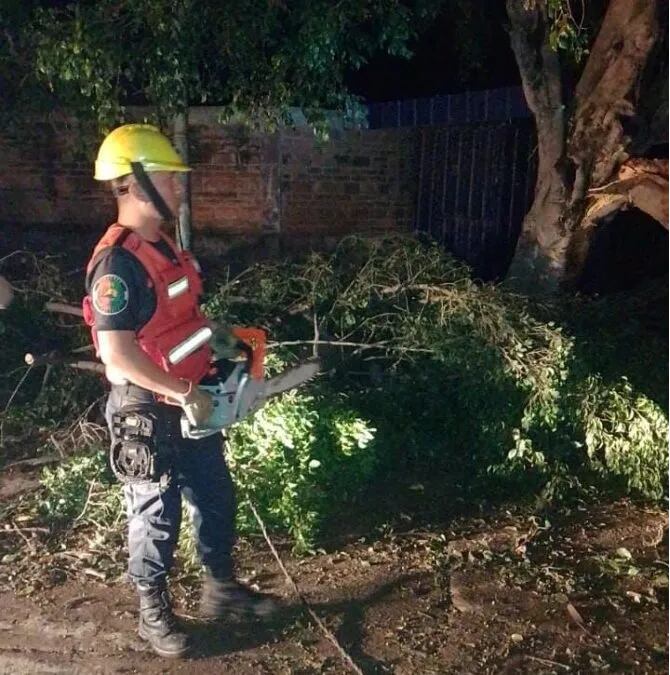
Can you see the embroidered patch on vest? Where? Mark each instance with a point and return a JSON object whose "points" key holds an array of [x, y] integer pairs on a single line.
{"points": [[110, 295]]}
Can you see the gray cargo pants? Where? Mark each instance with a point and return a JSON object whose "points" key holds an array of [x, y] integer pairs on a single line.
{"points": [[201, 476]]}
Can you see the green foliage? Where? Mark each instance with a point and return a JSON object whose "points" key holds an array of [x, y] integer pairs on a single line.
{"points": [[68, 490], [431, 377], [17, 82], [567, 33], [507, 395], [255, 59], [299, 460], [625, 434]]}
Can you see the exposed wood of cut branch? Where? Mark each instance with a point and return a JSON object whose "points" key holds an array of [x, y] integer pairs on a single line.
{"points": [[68, 360], [643, 165], [62, 308], [640, 183]]}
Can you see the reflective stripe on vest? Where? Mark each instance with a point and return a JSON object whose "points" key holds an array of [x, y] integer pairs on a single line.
{"points": [[178, 287], [189, 345], [175, 336]]}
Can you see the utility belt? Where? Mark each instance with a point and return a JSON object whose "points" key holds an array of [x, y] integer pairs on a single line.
{"points": [[145, 436]]}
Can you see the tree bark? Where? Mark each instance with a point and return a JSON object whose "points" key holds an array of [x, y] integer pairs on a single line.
{"points": [[540, 249], [585, 153], [184, 222]]}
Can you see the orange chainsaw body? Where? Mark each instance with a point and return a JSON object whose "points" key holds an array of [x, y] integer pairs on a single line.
{"points": [[255, 339]]}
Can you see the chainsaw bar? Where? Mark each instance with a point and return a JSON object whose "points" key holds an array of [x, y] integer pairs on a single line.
{"points": [[292, 378], [241, 395]]}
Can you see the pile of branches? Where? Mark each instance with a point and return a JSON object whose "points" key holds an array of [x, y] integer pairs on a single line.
{"points": [[46, 407], [428, 375], [395, 299], [469, 370]]}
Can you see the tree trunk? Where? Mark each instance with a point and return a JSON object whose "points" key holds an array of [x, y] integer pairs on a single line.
{"points": [[583, 152], [183, 234]]}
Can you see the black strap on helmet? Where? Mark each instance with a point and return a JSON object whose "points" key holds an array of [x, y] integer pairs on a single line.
{"points": [[145, 183]]}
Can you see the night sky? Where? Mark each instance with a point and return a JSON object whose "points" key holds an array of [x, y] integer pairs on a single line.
{"points": [[463, 49]]}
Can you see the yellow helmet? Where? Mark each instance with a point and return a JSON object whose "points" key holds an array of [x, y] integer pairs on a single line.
{"points": [[136, 143]]}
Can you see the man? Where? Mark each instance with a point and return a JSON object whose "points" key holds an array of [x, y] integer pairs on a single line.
{"points": [[142, 306]]}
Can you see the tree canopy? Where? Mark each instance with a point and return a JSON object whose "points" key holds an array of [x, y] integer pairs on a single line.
{"points": [[254, 58]]}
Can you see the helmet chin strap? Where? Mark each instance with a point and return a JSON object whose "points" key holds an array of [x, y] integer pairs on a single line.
{"points": [[149, 188]]}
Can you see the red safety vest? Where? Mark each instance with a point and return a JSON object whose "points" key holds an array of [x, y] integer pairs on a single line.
{"points": [[176, 337]]}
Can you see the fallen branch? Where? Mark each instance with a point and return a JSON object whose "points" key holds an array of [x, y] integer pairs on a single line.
{"points": [[62, 308], [575, 616], [18, 531], [88, 500], [332, 343], [45, 379], [54, 358], [34, 461], [88, 365], [343, 343], [425, 288], [547, 662], [329, 635]]}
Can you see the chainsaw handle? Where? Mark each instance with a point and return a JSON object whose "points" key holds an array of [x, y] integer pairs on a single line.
{"points": [[255, 340]]}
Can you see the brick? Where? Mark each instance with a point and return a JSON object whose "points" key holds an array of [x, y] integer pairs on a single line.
{"points": [[358, 181]]}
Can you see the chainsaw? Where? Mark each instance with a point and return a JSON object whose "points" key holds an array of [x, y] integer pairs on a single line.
{"points": [[243, 388]]}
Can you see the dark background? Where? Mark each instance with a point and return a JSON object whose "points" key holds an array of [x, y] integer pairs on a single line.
{"points": [[466, 47]]}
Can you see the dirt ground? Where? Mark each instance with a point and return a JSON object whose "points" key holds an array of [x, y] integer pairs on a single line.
{"points": [[502, 593]]}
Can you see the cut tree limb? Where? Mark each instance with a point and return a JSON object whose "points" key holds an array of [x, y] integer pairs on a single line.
{"points": [[62, 308], [64, 359], [642, 183]]}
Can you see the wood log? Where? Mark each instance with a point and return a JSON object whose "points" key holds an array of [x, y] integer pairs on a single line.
{"points": [[54, 358], [62, 308]]}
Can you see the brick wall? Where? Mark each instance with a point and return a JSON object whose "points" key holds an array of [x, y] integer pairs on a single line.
{"points": [[361, 181], [45, 180], [288, 183]]}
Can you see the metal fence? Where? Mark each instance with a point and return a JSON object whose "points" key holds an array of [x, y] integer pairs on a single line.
{"points": [[475, 184], [476, 171], [490, 105]]}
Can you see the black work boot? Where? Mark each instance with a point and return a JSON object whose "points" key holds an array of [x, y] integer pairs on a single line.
{"points": [[158, 625], [227, 598]]}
